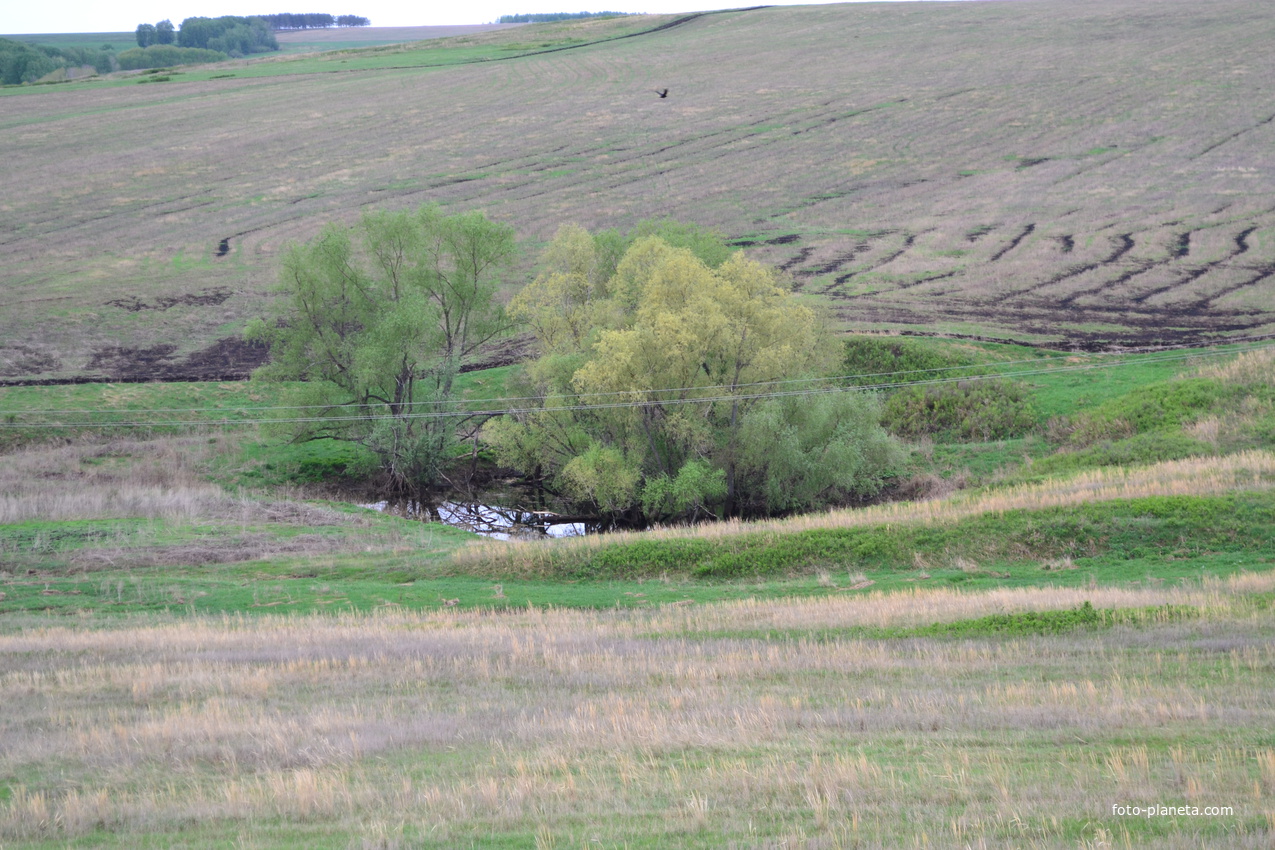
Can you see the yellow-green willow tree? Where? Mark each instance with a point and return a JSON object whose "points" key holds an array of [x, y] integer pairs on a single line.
{"points": [[655, 387]]}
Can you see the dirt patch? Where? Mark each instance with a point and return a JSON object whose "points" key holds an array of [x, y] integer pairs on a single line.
{"points": [[207, 298], [784, 240], [229, 359]]}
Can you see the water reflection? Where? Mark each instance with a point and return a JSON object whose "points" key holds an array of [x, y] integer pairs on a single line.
{"points": [[493, 521]]}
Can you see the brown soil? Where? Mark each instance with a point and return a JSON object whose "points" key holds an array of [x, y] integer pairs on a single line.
{"points": [[207, 298], [228, 359]]}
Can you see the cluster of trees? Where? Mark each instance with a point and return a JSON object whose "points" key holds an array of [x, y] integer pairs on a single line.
{"points": [[161, 33], [21, 62], [312, 20], [675, 379], [549, 17], [678, 379], [229, 35]]}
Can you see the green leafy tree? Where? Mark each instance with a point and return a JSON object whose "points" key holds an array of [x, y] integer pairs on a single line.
{"points": [[677, 342], [145, 35], [378, 319], [165, 32]]}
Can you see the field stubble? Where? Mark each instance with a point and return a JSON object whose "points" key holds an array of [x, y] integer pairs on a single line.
{"points": [[626, 726]]}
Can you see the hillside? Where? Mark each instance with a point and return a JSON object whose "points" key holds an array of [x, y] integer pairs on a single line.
{"points": [[1080, 173]]}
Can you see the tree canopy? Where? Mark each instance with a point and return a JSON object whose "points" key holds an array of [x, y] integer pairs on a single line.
{"points": [[228, 34], [656, 361], [378, 319]]}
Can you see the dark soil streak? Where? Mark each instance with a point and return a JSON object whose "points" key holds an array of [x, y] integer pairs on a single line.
{"points": [[1126, 245], [838, 262], [801, 257], [229, 359], [1027, 231], [1146, 327], [1183, 248], [979, 232], [1189, 277], [1241, 247], [1068, 243], [1233, 136], [223, 247], [207, 298], [919, 281], [1263, 272], [1241, 241]]}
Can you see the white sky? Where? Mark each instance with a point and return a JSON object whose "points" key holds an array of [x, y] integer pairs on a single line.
{"points": [[17, 17]]}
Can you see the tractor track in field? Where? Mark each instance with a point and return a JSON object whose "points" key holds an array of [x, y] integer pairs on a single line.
{"points": [[1176, 326], [1192, 275], [1027, 231]]}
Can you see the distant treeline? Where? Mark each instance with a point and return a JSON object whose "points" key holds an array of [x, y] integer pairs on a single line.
{"points": [[546, 17], [21, 62], [312, 21], [231, 35]]}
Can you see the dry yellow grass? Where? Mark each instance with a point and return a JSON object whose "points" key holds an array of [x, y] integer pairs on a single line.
{"points": [[1192, 476], [1249, 368], [648, 728]]}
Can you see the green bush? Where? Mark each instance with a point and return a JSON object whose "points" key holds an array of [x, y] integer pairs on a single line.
{"points": [[965, 410], [878, 359]]}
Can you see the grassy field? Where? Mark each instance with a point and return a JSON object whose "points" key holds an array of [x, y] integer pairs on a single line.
{"points": [[690, 726], [205, 640], [196, 652], [1101, 178]]}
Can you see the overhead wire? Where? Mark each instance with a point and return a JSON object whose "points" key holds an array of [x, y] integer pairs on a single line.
{"points": [[1147, 354], [491, 411]]}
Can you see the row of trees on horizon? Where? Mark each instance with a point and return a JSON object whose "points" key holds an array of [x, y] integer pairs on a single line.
{"points": [[236, 33], [550, 17]]}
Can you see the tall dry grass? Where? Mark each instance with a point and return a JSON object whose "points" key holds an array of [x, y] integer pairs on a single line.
{"points": [[570, 726], [1249, 368], [1192, 476]]}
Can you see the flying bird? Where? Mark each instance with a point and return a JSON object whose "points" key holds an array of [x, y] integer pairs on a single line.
{"points": [[661, 93]]}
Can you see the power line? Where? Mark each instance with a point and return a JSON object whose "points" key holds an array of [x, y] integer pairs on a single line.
{"points": [[1148, 355], [634, 403]]}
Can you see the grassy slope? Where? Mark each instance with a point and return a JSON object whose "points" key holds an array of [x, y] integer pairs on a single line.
{"points": [[1005, 673], [1060, 186]]}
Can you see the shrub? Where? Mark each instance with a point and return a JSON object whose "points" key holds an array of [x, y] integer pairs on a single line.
{"points": [[877, 359], [163, 55], [966, 410]]}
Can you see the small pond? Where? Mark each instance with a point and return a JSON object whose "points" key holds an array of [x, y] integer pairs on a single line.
{"points": [[495, 521]]}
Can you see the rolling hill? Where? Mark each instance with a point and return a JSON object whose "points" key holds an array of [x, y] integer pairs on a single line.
{"points": [[1084, 174]]}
